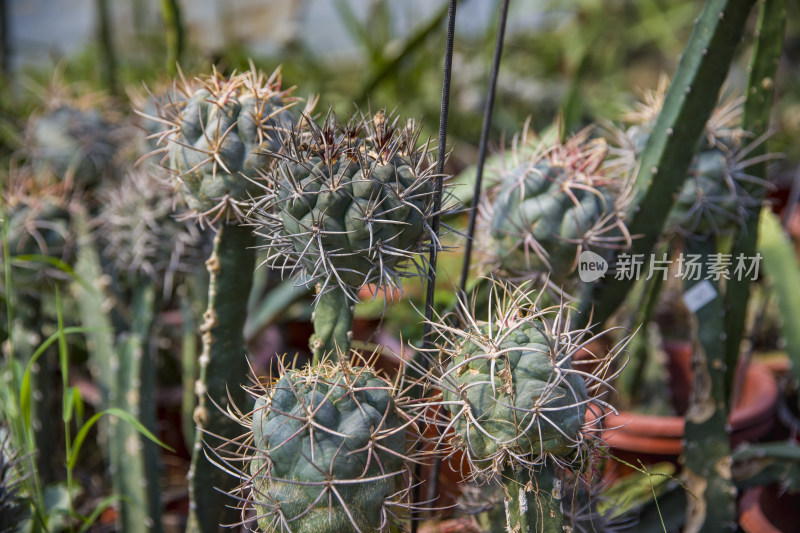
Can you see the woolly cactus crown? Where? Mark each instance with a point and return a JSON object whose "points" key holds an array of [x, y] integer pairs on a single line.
{"points": [[353, 202]]}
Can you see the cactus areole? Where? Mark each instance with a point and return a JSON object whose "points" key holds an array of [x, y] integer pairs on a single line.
{"points": [[511, 394], [328, 451]]}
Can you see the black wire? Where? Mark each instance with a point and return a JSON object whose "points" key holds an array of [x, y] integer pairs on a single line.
{"points": [[438, 183], [437, 205], [487, 124]]}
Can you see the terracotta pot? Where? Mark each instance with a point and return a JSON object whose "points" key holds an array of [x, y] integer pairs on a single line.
{"points": [[662, 436], [767, 510]]}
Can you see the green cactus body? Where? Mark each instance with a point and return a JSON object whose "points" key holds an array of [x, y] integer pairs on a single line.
{"points": [[517, 406], [710, 202], [553, 206], [222, 139], [328, 451], [353, 203], [352, 207], [72, 143], [510, 392]]}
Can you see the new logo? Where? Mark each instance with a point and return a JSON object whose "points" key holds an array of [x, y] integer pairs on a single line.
{"points": [[591, 266]]}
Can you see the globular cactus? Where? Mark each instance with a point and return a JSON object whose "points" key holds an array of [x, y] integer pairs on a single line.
{"points": [[554, 202], [718, 192], [139, 235], [354, 201], [328, 450], [218, 134], [72, 143], [517, 400], [38, 224], [353, 206]]}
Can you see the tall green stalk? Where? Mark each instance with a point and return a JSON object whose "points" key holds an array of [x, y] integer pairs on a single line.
{"points": [[223, 369], [760, 94], [707, 452], [108, 55], [665, 161], [173, 28], [134, 392], [123, 372]]}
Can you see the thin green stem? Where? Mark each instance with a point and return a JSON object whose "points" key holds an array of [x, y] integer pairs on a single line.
{"points": [[707, 453], [333, 325], [173, 26]]}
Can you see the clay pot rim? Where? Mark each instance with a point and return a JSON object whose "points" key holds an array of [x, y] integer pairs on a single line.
{"points": [[664, 434], [751, 516]]}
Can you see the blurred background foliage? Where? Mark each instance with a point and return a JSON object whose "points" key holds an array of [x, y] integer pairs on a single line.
{"points": [[583, 58]]}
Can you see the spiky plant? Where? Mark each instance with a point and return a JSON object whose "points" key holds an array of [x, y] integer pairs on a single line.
{"points": [[72, 139], [38, 226], [12, 507], [145, 248], [218, 138], [518, 402], [717, 195], [328, 449], [554, 201], [139, 234], [353, 206]]}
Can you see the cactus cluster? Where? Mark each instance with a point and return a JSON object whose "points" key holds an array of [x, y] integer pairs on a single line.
{"points": [[219, 135], [554, 202], [328, 450], [353, 202]]}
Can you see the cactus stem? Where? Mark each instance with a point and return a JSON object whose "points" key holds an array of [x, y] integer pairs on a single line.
{"points": [[533, 500], [222, 367], [333, 324]]}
